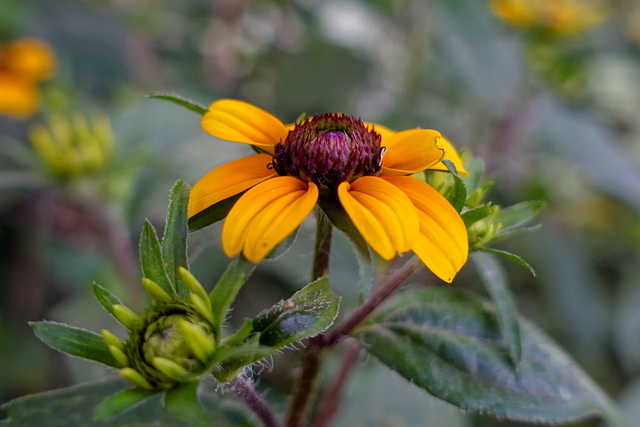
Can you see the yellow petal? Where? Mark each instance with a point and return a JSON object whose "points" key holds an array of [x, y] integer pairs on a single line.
{"points": [[239, 121], [410, 151], [450, 154], [442, 243], [384, 215], [266, 215], [380, 129], [228, 180]]}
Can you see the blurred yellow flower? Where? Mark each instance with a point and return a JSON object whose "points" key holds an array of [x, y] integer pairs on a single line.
{"points": [[23, 64], [361, 166], [559, 18]]}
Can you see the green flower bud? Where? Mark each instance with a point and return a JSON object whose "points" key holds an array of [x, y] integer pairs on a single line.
{"points": [[135, 377], [111, 339], [192, 283], [172, 342], [484, 231], [155, 291], [126, 317], [119, 355]]}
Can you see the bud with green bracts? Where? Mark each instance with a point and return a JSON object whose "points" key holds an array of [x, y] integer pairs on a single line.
{"points": [[172, 341]]}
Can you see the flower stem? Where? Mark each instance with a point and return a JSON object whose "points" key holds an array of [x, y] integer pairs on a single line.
{"points": [[311, 358], [254, 401], [333, 395], [382, 292], [323, 246], [305, 384]]}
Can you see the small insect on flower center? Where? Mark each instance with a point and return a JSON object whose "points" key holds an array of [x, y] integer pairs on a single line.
{"points": [[329, 149]]}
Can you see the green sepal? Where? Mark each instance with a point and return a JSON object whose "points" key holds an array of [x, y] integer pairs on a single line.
{"points": [[448, 342], [105, 298], [181, 101], [495, 281], [308, 312], [213, 213], [227, 288], [174, 240], [457, 193], [476, 214], [182, 403], [151, 259], [121, 402], [366, 269], [74, 341], [241, 334], [514, 218], [510, 256], [229, 361]]}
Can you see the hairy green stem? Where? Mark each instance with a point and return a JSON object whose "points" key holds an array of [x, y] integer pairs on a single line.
{"points": [[254, 401], [311, 358]]}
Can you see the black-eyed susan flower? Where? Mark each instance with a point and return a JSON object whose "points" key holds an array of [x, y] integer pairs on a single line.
{"points": [[23, 64], [365, 167], [560, 18]]}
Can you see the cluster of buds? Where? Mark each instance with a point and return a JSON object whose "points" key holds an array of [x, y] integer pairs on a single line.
{"points": [[73, 147], [172, 341]]}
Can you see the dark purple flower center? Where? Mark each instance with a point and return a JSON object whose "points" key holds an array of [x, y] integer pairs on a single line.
{"points": [[329, 149]]}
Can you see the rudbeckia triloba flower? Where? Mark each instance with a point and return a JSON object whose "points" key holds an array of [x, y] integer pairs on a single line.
{"points": [[23, 64], [365, 167], [560, 18]]}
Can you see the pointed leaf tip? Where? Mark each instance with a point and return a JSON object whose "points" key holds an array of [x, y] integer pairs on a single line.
{"points": [[181, 101]]}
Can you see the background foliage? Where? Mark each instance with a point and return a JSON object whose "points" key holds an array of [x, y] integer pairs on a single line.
{"points": [[558, 125]]}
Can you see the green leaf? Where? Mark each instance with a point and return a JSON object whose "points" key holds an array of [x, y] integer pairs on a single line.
{"points": [[514, 217], [182, 101], [366, 270], [510, 256], [227, 288], [151, 259], [213, 214], [494, 279], [75, 406], [474, 215], [74, 341], [182, 403], [448, 342], [308, 312], [174, 241], [457, 194], [122, 402], [105, 298]]}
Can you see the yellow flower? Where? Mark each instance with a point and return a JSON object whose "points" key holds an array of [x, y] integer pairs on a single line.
{"points": [[363, 166], [558, 17], [23, 64]]}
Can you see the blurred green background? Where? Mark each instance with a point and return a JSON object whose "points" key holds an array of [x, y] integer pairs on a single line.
{"points": [[556, 119]]}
